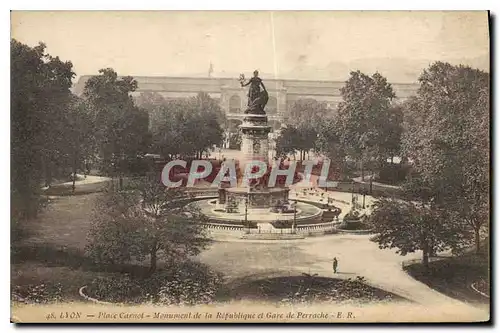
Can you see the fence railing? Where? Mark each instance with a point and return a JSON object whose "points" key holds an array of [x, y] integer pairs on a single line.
{"points": [[319, 227], [203, 193], [269, 231], [220, 226]]}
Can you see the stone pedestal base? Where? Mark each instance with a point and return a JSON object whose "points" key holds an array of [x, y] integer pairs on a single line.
{"points": [[255, 147], [222, 196], [254, 138], [264, 198]]}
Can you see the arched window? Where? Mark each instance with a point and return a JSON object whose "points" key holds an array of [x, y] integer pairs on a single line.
{"points": [[235, 104], [272, 105]]}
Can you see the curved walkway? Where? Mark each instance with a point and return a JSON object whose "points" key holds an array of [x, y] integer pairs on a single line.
{"points": [[358, 180], [357, 255], [84, 185]]}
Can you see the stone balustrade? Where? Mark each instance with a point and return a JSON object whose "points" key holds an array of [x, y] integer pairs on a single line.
{"points": [[203, 193], [320, 227], [327, 225], [220, 226]]}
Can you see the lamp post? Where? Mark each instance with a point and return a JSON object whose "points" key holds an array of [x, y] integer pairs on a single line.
{"points": [[371, 183], [364, 194], [323, 180], [246, 214], [294, 216]]}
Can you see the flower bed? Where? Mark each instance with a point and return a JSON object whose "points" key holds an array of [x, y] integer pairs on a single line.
{"points": [[353, 221], [185, 284], [311, 288], [354, 225], [482, 287], [280, 224], [38, 294]]}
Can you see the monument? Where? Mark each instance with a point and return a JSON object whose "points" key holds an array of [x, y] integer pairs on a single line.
{"points": [[256, 203], [254, 129], [255, 147]]}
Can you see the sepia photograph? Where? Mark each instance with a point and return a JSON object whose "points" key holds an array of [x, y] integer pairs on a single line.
{"points": [[250, 167]]}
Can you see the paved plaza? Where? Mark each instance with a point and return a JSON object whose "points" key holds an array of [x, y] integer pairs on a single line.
{"points": [[357, 255]]}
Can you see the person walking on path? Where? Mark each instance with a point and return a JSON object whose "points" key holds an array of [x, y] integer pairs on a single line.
{"points": [[335, 264]]}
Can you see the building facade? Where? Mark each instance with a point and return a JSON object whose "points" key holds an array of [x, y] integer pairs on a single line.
{"points": [[233, 99]]}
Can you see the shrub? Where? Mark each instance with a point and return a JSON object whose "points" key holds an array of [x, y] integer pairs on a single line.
{"points": [[249, 224], [189, 288], [393, 173], [280, 224], [352, 215], [117, 289], [356, 225]]}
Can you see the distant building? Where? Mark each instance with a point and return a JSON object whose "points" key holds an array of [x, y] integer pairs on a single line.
{"points": [[233, 99]]}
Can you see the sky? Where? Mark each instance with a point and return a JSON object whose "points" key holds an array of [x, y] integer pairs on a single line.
{"points": [[314, 45]]}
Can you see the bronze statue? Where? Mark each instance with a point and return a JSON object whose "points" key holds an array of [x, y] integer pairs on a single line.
{"points": [[257, 99]]}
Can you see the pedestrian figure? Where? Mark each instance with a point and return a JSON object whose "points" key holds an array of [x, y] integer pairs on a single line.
{"points": [[335, 264]]}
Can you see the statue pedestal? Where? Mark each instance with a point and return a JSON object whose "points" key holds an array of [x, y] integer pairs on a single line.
{"points": [[254, 138], [255, 147], [264, 198]]}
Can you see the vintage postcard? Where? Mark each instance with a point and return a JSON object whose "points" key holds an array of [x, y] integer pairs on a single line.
{"points": [[250, 166]]}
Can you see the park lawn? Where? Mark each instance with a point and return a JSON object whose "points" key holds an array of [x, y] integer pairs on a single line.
{"points": [[63, 223], [453, 276], [53, 250]]}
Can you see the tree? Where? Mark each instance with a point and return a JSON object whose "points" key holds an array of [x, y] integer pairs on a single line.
{"points": [[392, 128], [306, 139], [329, 143], [286, 142], [143, 222], [306, 117], [474, 203], [447, 138], [212, 119], [235, 140], [79, 136], [149, 101], [211, 107], [410, 226], [363, 117], [121, 127], [307, 111], [40, 95], [187, 127]]}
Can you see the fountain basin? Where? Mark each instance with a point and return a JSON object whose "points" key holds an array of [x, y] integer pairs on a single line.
{"points": [[262, 198], [306, 213]]}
